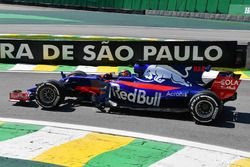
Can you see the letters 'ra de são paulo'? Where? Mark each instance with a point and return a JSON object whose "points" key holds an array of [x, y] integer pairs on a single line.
{"points": [[121, 52]]}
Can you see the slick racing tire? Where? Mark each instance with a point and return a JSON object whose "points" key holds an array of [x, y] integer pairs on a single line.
{"points": [[205, 107], [49, 94]]}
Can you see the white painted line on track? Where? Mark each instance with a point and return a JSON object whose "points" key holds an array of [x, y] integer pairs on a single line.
{"points": [[22, 67], [196, 158], [31, 145], [87, 69], [133, 134]]}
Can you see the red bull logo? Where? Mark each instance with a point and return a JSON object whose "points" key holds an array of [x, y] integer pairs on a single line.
{"points": [[160, 74], [138, 96]]}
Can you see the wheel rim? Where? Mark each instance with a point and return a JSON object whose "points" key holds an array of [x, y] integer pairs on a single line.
{"points": [[204, 109], [48, 95]]}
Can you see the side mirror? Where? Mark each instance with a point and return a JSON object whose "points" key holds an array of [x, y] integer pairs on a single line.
{"points": [[208, 68], [63, 75]]}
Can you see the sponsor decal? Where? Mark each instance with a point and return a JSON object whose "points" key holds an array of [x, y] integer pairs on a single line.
{"points": [[160, 74], [231, 84], [225, 86], [199, 68], [138, 96], [176, 94]]}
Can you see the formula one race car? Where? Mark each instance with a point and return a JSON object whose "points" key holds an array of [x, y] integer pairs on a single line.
{"points": [[152, 87]]}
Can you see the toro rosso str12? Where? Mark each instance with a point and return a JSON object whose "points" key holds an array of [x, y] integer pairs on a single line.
{"points": [[152, 87]]}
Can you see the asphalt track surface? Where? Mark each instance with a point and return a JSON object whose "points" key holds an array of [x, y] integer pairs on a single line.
{"points": [[232, 130]]}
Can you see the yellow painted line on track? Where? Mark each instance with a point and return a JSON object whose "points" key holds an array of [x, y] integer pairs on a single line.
{"points": [[107, 69], [61, 35], [244, 76], [244, 162], [150, 39], [78, 152], [45, 68], [10, 35]]}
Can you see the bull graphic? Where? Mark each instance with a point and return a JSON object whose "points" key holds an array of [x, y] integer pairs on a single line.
{"points": [[160, 74]]}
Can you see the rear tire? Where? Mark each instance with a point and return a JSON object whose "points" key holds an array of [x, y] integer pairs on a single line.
{"points": [[49, 94], [205, 107]]}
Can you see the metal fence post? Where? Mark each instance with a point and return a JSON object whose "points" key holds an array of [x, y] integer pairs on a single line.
{"points": [[248, 57]]}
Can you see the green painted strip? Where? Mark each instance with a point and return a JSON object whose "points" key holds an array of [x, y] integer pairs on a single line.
{"points": [[138, 153], [4, 67], [246, 73], [12, 130], [10, 162], [131, 69], [32, 17], [66, 68]]}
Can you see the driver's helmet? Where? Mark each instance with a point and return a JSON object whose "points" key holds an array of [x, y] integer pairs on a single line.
{"points": [[124, 73], [107, 76]]}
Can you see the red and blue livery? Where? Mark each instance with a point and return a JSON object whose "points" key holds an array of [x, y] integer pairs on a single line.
{"points": [[153, 87]]}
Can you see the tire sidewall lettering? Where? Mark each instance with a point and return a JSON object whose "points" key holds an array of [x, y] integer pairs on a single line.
{"points": [[55, 101], [210, 99]]}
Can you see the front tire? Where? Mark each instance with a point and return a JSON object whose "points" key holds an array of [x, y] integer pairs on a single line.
{"points": [[49, 94], [205, 107]]}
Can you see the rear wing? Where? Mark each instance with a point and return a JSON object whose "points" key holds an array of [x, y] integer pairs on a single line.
{"points": [[226, 84]]}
